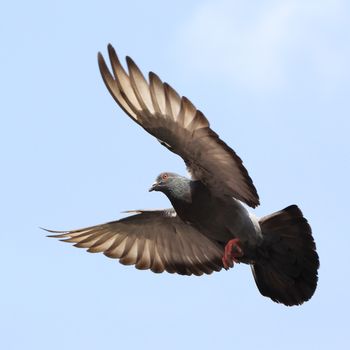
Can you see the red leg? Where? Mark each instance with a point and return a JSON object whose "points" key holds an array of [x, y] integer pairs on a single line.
{"points": [[232, 253]]}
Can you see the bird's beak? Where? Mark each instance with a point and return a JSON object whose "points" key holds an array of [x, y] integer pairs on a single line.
{"points": [[153, 187]]}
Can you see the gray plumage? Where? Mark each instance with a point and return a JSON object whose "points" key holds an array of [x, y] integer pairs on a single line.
{"points": [[208, 218], [218, 217]]}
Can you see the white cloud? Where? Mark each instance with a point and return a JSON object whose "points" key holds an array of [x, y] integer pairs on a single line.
{"points": [[260, 45]]}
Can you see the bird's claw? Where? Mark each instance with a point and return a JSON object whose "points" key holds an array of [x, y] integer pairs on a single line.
{"points": [[232, 253]]}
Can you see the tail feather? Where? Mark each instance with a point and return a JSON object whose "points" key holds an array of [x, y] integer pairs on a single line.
{"points": [[287, 263]]}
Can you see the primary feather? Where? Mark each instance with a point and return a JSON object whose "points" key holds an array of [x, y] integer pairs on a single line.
{"points": [[179, 126]]}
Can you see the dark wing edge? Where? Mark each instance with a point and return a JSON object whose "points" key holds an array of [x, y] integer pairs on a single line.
{"points": [[180, 127], [157, 240]]}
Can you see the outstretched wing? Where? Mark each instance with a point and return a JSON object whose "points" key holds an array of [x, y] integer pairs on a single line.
{"points": [[158, 240], [179, 126]]}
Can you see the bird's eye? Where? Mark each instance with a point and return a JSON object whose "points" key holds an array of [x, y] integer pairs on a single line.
{"points": [[164, 176]]}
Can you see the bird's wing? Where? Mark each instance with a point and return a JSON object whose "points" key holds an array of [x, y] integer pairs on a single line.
{"points": [[180, 127], [158, 240]]}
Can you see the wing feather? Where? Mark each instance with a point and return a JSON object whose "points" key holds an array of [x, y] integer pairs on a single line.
{"points": [[157, 93], [157, 240], [180, 127]]}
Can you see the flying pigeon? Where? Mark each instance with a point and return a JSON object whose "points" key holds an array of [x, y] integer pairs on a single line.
{"points": [[208, 227]]}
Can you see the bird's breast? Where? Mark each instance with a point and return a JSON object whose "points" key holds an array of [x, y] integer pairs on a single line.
{"points": [[221, 219]]}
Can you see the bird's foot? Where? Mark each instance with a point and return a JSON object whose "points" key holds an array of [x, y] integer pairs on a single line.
{"points": [[232, 253]]}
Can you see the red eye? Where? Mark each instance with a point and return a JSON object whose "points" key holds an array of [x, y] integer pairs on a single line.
{"points": [[164, 176]]}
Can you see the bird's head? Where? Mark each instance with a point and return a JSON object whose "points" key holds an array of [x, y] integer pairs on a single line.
{"points": [[166, 182]]}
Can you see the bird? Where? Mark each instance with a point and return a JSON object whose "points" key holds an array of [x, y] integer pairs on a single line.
{"points": [[208, 228]]}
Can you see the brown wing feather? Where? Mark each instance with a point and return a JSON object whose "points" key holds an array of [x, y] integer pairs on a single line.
{"points": [[157, 240], [179, 126]]}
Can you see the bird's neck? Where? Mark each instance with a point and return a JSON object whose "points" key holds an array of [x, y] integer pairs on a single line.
{"points": [[181, 193], [187, 198]]}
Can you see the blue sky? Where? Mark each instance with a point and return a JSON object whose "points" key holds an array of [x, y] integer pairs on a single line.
{"points": [[273, 79]]}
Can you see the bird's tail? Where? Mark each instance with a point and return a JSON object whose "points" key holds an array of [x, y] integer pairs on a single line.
{"points": [[287, 263]]}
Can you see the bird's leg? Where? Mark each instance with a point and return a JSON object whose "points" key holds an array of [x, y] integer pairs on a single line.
{"points": [[232, 253]]}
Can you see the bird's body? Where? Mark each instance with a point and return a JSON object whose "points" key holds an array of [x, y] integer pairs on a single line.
{"points": [[219, 218], [208, 228]]}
